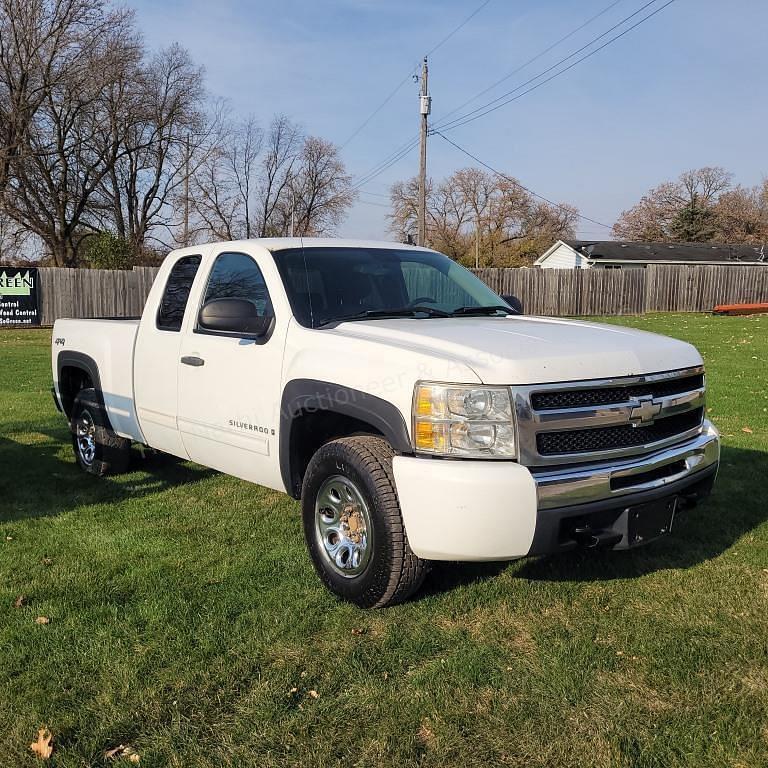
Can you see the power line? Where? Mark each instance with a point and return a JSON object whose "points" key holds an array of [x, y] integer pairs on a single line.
{"points": [[409, 76], [375, 194], [517, 183], [386, 164], [532, 59], [548, 69], [492, 106], [377, 110], [404, 149], [486, 109], [461, 26]]}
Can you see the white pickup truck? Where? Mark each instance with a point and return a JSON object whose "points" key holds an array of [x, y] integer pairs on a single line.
{"points": [[416, 414]]}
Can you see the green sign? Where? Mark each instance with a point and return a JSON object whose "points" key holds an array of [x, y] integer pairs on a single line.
{"points": [[18, 296]]}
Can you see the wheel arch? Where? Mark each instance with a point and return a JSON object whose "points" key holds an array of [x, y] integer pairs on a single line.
{"points": [[313, 412], [73, 369]]}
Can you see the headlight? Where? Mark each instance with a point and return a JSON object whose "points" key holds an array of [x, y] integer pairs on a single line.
{"points": [[466, 420]]}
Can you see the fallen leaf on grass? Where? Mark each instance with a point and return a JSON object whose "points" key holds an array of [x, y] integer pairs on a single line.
{"points": [[47, 561], [42, 620], [747, 430], [19, 601], [122, 751], [425, 734], [42, 746], [358, 632], [314, 694]]}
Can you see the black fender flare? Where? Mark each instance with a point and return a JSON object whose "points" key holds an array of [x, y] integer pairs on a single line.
{"points": [[71, 359], [301, 396]]}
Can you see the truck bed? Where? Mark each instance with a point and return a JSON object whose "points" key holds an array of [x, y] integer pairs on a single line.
{"points": [[110, 344]]}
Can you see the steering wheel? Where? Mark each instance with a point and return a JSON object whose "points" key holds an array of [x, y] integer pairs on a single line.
{"points": [[422, 300]]}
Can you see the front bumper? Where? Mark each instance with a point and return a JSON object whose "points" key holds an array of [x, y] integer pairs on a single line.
{"points": [[497, 510]]}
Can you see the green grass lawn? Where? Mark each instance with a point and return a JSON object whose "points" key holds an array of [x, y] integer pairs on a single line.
{"points": [[186, 620]]}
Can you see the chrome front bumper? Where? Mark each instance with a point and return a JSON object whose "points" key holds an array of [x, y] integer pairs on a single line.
{"points": [[605, 481]]}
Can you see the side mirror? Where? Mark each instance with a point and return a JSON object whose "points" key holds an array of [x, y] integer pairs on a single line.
{"points": [[236, 316], [515, 303]]}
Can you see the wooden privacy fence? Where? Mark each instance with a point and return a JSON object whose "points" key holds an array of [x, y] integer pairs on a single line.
{"points": [[93, 292], [629, 291], [557, 292]]}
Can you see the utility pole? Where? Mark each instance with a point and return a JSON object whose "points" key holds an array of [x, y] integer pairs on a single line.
{"points": [[477, 242], [425, 106], [186, 191], [293, 213]]}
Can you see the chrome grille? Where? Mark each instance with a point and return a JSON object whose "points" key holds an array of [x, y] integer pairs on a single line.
{"points": [[611, 438], [582, 421], [579, 398]]}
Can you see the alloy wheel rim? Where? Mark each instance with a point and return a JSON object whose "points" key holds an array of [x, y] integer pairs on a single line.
{"points": [[343, 526], [85, 434]]}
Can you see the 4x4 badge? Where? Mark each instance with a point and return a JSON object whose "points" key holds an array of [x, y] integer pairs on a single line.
{"points": [[645, 412]]}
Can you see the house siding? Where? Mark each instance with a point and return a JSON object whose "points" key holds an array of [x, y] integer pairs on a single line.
{"points": [[565, 257]]}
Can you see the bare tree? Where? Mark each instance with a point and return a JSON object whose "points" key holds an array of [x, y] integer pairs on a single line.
{"points": [[742, 215], [257, 185], [677, 210], [165, 129], [475, 214], [242, 160], [17, 244], [223, 186], [319, 191], [282, 146], [62, 64]]}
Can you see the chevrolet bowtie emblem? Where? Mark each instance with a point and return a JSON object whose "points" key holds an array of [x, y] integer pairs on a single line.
{"points": [[645, 412]]}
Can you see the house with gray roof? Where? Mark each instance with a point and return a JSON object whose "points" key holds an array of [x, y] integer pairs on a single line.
{"points": [[620, 254]]}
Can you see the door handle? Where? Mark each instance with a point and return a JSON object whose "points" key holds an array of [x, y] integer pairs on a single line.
{"points": [[192, 360]]}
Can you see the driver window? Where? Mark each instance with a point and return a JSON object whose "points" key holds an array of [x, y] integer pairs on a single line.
{"points": [[237, 276], [430, 286]]}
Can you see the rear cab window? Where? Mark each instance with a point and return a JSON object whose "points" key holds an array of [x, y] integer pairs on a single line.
{"points": [[173, 304]]}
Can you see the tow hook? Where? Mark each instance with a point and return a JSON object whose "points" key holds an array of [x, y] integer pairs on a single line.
{"points": [[592, 538]]}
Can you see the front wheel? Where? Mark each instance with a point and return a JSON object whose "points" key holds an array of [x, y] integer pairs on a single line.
{"points": [[98, 449], [353, 526]]}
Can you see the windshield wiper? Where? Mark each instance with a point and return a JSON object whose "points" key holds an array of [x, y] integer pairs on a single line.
{"points": [[483, 310], [380, 314]]}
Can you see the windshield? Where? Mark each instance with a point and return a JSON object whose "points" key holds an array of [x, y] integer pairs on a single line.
{"points": [[328, 284]]}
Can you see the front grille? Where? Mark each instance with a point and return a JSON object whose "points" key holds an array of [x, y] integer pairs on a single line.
{"points": [[582, 398], [615, 438]]}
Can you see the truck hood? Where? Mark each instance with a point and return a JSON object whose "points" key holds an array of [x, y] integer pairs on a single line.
{"points": [[530, 350]]}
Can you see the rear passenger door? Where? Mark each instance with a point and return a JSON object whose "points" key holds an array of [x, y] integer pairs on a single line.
{"points": [[156, 359], [229, 383]]}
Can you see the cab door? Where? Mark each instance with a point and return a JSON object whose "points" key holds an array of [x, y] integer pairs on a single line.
{"points": [[229, 381], [156, 359]]}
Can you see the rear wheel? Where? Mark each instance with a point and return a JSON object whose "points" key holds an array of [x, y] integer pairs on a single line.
{"points": [[353, 526], [97, 448]]}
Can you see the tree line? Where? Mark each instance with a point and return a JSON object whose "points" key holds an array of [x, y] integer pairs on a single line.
{"points": [[701, 206], [482, 219], [110, 153]]}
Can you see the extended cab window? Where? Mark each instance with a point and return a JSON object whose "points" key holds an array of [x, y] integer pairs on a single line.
{"points": [[237, 276], [174, 301]]}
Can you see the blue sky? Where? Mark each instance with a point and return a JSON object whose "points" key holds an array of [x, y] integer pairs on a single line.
{"points": [[684, 90]]}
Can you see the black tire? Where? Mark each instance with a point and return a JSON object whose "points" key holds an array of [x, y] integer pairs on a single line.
{"points": [[392, 572], [99, 452]]}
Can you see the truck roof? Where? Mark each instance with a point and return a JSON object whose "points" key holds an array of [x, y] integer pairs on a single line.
{"points": [[283, 243]]}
